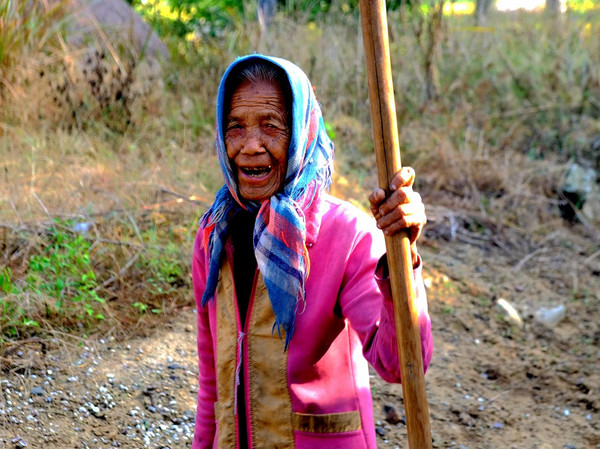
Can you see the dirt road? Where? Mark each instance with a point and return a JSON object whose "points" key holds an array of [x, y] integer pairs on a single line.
{"points": [[490, 385]]}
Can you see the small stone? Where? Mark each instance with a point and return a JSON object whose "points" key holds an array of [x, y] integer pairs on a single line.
{"points": [[393, 415], [491, 373], [579, 187], [466, 419], [380, 431], [550, 317], [37, 391]]}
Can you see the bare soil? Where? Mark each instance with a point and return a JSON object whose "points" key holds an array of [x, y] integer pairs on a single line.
{"points": [[491, 384]]}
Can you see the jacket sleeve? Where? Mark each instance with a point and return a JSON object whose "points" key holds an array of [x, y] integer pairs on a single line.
{"points": [[205, 414], [366, 302]]}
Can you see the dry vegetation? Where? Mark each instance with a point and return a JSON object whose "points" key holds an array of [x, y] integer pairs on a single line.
{"points": [[107, 161]]}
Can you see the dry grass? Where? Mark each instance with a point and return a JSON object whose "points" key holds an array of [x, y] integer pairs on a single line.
{"points": [[517, 101]]}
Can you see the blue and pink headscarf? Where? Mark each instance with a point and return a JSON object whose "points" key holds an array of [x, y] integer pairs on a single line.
{"points": [[280, 227]]}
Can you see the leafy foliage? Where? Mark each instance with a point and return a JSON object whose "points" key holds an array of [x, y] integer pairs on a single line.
{"points": [[64, 272], [12, 315], [163, 265], [60, 283], [211, 18], [6, 284], [180, 18], [60, 276]]}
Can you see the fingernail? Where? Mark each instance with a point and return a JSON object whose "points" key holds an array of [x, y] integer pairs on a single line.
{"points": [[393, 187], [381, 212]]}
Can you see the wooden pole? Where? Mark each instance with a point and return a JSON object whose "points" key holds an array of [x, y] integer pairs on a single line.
{"points": [[387, 152]]}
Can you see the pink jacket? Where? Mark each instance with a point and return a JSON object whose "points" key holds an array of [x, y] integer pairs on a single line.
{"points": [[315, 395]]}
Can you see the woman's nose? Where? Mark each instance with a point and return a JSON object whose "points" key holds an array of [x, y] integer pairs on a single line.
{"points": [[254, 142]]}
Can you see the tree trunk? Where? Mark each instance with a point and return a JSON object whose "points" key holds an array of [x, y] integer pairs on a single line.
{"points": [[428, 28], [434, 37], [266, 12], [482, 9], [553, 7]]}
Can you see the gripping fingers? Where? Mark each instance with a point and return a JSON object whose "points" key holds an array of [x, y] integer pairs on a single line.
{"points": [[402, 209], [409, 215], [396, 199], [405, 214], [376, 198], [404, 178]]}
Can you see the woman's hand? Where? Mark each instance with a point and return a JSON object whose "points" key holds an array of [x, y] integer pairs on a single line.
{"points": [[402, 210]]}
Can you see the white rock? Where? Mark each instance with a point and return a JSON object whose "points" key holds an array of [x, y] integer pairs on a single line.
{"points": [[552, 316]]}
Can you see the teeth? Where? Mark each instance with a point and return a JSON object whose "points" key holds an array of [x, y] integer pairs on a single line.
{"points": [[256, 171]]}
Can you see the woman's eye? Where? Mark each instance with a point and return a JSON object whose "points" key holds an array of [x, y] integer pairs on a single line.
{"points": [[273, 126]]}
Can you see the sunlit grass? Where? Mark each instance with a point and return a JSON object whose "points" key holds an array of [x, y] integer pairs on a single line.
{"points": [[459, 8]]}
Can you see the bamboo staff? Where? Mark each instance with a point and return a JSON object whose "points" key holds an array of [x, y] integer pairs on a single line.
{"points": [[387, 152]]}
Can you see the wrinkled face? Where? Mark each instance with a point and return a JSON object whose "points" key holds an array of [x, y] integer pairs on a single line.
{"points": [[257, 137]]}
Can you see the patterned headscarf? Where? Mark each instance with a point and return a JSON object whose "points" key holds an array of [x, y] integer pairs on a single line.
{"points": [[280, 228]]}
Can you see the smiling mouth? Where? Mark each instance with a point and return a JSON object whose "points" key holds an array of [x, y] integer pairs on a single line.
{"points": [[255, 172]]}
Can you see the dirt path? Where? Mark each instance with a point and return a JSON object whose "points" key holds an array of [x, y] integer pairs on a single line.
{"points": [[105, 394], [490, 385]]}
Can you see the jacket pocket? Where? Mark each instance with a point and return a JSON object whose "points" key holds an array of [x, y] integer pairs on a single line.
{"points": [[345, 440], [327, 423]]}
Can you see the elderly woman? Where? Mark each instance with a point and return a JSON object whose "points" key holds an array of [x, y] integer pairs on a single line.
{"points": [[290, 283]]}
